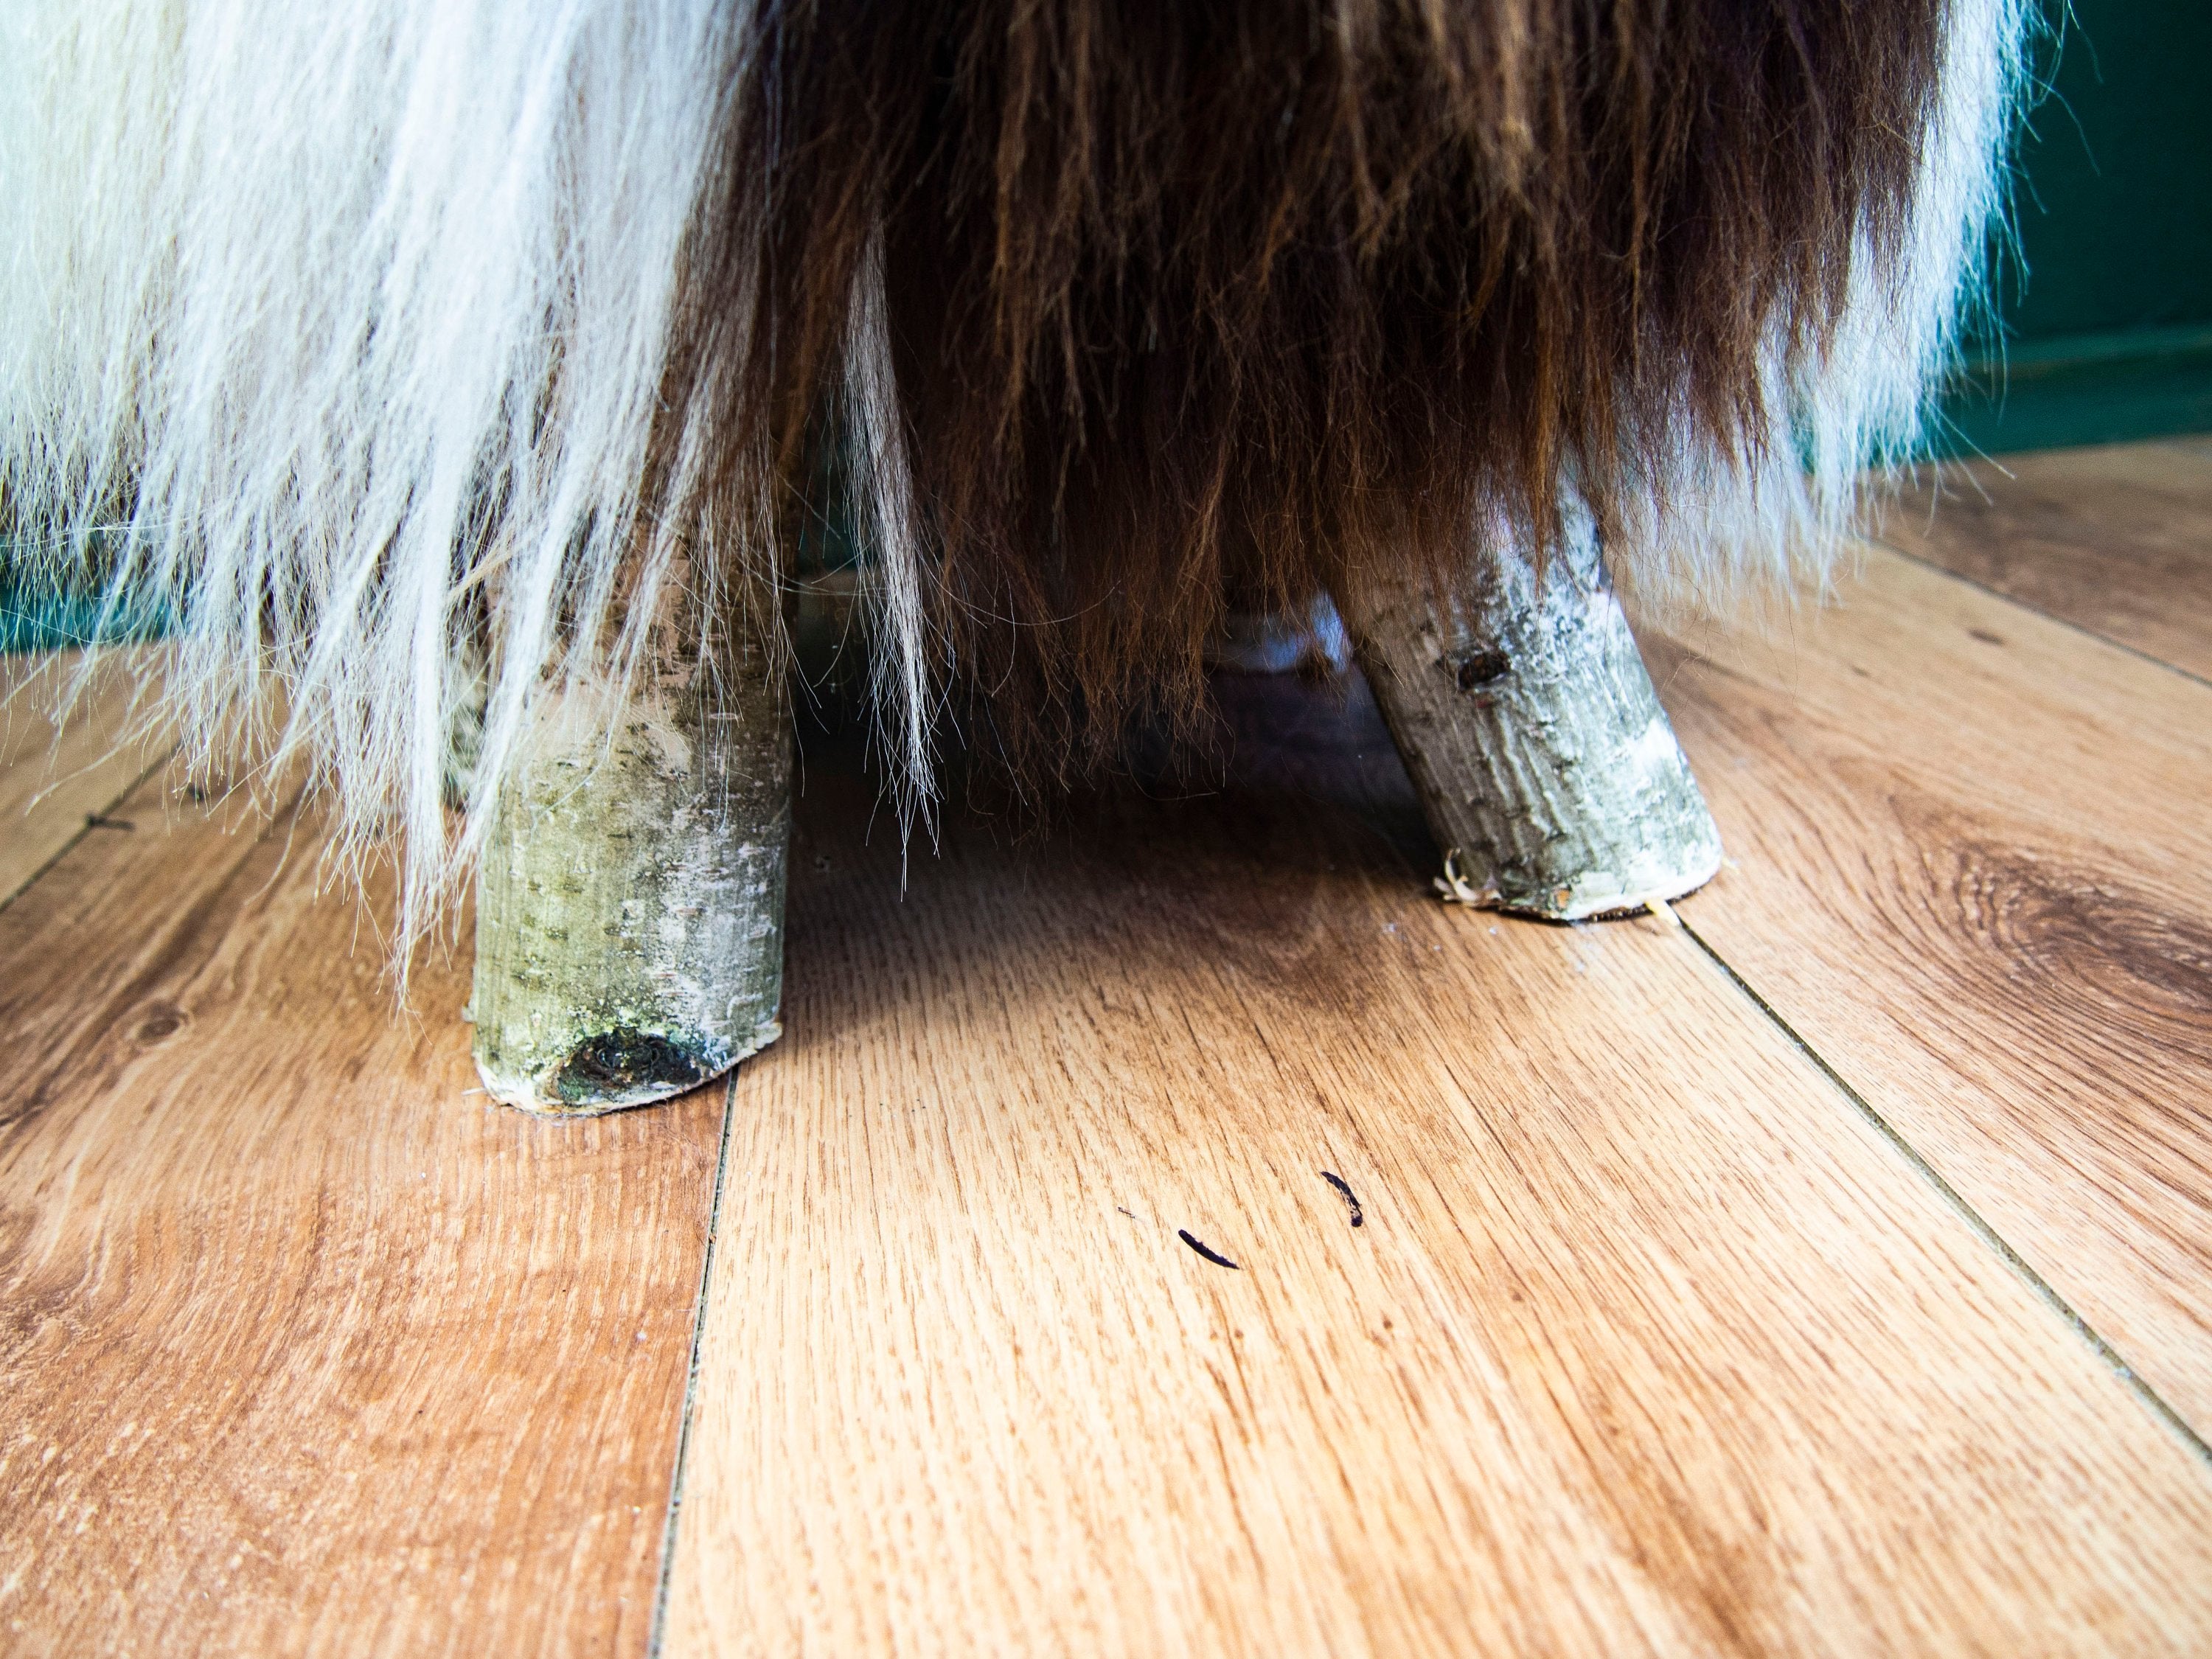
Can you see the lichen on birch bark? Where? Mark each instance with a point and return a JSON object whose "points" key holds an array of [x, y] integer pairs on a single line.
{"points": [[629, 910], [1544, 760]]}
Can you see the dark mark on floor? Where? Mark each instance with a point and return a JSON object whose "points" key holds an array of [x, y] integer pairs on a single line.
{"points": [[95, 821], [1214, 1256], [1359, 1216]]}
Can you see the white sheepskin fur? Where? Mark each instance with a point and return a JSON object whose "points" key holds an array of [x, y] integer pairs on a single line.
{"points": [[290, 291], [288, 288]]}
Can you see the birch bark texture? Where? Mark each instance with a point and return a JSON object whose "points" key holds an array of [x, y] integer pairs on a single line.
{"points": [[1544, 763], [629, 910]]}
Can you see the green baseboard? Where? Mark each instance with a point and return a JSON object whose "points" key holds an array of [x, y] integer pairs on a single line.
{"points": [[34, 616], [2082, 389], [62, 624]]}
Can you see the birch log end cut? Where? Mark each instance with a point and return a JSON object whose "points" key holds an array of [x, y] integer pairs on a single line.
{"points": [[629, 910], [1544, 760]]}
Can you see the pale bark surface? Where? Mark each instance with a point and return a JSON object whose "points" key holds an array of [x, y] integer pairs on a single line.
{"points": [[629, 912], [1544, 763]]}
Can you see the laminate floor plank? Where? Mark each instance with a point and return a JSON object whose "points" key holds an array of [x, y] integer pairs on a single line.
{"points": [[304, 1346], [1974, 870], [1038, 1320], [2116, 540], [55, 775], [1036, 1324]]}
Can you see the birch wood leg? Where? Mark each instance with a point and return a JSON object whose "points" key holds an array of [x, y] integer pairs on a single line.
{"points": [[629, 912], [1530, 727]]}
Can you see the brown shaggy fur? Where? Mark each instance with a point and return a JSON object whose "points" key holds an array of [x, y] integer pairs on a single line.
{"points": [[1258, 296]]}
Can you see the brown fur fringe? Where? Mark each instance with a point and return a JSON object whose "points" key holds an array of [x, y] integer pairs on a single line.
{"points": [[1257, 298]]}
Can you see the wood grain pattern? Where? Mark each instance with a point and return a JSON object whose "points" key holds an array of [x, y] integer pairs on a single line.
{"points": [[1649, 1343], [1974, 872], [53, 775], [303, 1347], [2116, 540]]}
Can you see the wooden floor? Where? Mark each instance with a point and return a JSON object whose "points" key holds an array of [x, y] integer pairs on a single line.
{"points": [[1174, 1232]]}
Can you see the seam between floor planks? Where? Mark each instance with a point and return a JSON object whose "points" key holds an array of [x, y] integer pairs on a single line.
{"points": [[659, 1625], [2112, 537], [2151, 1401], [2098, 635], [46, 771], [106, 809], [1719, 720]]}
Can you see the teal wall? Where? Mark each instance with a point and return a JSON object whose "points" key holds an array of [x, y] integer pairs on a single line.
{"points": [[2107, 333]]}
